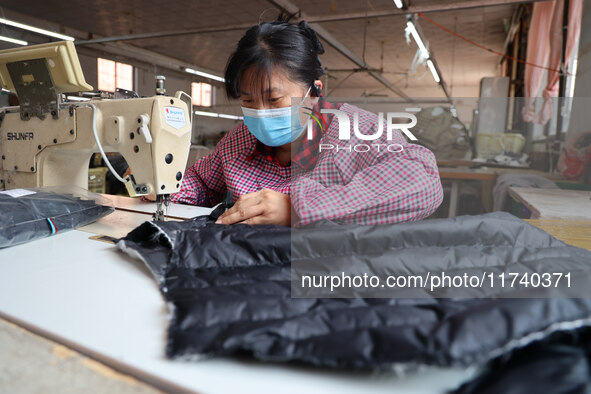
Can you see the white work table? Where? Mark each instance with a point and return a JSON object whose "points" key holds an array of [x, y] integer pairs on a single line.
{"points": [[89, 296], [554, 203]]}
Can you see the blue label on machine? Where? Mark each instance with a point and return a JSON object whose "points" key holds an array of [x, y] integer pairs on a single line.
{"points": [[175, 117]]}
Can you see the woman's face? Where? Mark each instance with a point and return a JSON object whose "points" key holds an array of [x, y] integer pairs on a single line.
{"points": [[278, 91], [278, 94]]}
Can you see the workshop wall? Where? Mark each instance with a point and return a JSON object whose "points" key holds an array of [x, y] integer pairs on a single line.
{"points": [[465, 99], [89, 68], [146, 83], [580, 117], [206, 130]]}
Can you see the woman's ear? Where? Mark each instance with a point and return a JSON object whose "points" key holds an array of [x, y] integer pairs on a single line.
{"points": [[317, 88]]}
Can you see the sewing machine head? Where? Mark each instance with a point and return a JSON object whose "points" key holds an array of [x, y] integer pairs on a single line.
{"points": [[47, 141]]}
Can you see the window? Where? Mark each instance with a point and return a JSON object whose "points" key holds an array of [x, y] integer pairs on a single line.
{"points": [[106, 75], [201, 94], [124, 76], [113, 75]]}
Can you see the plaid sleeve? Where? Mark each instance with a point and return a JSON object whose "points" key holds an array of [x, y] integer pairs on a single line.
{"points": [[369, 188], [203, 183]]}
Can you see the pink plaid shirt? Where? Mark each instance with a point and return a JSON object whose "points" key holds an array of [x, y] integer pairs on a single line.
{"points": [[373, 187]]}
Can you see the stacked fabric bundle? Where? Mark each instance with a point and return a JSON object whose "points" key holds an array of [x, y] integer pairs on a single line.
{"points": [[26, 215]]}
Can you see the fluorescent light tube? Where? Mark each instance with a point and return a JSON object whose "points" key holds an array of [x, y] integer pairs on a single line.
{"points": [[398, 3], [206, 75], [433, 71], [13, 40], [411, 27], [230, 116], [35, 29], [203, 113], [216, 115]]}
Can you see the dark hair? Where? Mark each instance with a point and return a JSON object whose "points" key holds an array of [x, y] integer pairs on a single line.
{"points": [[295, 48]]}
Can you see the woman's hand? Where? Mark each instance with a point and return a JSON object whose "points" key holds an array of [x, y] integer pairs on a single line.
{"points": [[263, 207]]}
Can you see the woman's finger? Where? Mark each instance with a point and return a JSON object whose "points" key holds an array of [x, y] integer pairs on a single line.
{"points": [[243, 202], [241, 214], [260, 219]]}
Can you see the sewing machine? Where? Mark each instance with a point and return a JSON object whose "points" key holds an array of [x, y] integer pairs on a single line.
{"points": [[48, 140]]}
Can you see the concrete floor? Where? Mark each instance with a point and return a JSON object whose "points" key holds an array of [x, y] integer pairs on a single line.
{"points": [[32, 364]]}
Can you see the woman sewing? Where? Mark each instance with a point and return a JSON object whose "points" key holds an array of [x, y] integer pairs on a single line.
{"points": [[278, 173]]}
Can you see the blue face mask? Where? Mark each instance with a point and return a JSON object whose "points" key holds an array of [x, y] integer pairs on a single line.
{"points": [[275, 127]]}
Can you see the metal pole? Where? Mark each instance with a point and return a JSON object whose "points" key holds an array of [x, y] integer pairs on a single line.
{"points": [[170, 33], [459, 5], [288, 6], [562, 80]]}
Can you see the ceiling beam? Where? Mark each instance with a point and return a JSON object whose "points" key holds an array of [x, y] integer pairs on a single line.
{"points": [[438, 6], [314, 22], [130, 53], [291, 8], [434, 7], [282, 4], [169, 33], [152, 58]]}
